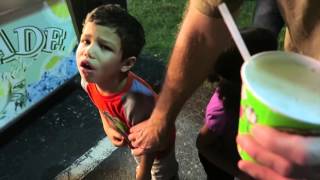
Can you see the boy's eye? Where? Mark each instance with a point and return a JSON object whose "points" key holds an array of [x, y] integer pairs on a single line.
{"points": [[105, 47], [85, 41]]}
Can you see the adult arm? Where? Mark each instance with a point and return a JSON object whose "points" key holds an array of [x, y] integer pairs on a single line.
{"points": [[200, 40]]}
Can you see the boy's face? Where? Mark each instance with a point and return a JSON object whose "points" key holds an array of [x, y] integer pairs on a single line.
{"points": [[99, 54]]}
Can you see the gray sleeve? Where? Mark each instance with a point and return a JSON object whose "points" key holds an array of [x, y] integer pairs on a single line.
{"points": [[138, 107]]}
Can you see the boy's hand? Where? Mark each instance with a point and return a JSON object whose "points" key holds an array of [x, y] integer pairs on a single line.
{"points": [[115, 137]]}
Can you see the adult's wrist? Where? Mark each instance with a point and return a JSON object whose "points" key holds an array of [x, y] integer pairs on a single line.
{"points": [[162, 119]]}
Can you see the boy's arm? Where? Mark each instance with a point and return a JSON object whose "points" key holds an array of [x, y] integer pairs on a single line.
{"points": [[138, 107], [105, 122], [115, 137]]}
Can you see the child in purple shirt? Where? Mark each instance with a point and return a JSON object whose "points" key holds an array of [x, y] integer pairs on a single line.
{"points": [[216, 140]]}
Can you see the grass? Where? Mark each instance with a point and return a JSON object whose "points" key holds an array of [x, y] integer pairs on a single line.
{"points": [[161, 19], [246, 14]]}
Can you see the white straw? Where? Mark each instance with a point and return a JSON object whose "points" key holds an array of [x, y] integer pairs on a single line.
{"points": [[234, 31]]}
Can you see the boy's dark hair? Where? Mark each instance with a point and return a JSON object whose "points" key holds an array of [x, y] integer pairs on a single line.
{"points": [[129, 30], [230, 61]]}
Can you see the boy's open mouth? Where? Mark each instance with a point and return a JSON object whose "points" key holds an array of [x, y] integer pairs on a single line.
{"points": [[86, 65]]}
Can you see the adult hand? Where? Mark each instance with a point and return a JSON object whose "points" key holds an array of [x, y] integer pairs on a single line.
{"points": [[279, 155], [149, 136], [200, 37]]}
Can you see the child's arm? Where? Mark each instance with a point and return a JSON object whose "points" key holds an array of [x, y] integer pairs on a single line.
{"points": [[115, 137], [138, 107]]}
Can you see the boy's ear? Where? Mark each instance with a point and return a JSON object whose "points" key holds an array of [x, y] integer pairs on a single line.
{"points": [[128, 63]]}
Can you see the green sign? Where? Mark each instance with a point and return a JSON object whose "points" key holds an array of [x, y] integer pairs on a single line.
{"points": [[36, 57]]}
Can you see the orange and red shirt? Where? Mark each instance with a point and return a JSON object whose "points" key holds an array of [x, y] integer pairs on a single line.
{"points": [[133, 104]]}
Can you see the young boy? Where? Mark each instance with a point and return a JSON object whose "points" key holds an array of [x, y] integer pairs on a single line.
{"points": [[222, 112], [110, 44]]}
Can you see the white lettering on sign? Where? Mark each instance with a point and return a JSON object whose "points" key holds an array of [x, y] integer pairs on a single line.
{"points": [[30, 41]]}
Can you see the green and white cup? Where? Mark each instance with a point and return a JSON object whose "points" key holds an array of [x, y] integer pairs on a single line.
{"points": [[280, 90]]}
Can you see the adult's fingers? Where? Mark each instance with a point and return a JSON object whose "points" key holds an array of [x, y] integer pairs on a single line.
{"points": [[264, 157], [136, 139], [136, 142], [259, 172], [140, 140], [133, 136], [291, 147], [138, 127]]}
